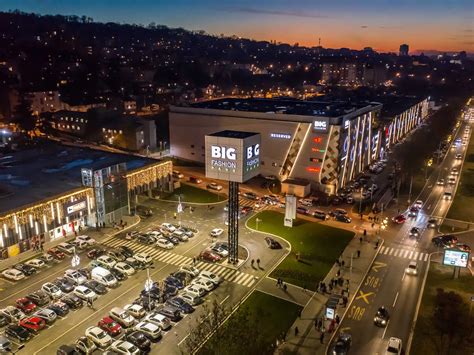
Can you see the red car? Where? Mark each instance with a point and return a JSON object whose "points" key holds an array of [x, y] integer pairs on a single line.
{"points": [[95, 253], [25, 305], [208, 255], [399, 219], [34, 324], [56, 253], [110, 326]]}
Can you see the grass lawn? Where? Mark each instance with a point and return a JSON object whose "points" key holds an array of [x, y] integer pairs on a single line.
{"points": [[465, 193], [273, 315], [439, 276], [318, 246], [191, 193]]}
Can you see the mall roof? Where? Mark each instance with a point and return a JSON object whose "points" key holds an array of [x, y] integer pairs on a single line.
{"points": [[393, 105], [43, 172], [283, 106], [233, 134]]}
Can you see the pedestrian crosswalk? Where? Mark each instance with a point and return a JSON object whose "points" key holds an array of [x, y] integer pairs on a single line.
{"points": [[167, 257], [404, 253], [243, 202]]}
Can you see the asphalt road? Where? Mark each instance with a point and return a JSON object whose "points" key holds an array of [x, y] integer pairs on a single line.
{"points": [[386, 284]]}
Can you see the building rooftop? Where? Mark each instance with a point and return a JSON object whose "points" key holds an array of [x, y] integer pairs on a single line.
{"points": [[233, 134], [393, 105], [36, 174], [283, 106]]}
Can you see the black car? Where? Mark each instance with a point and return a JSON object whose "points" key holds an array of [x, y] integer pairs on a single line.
{"points": [[64, 285], [140, 340], [72, 301], [119, 275], [26, 269], [97, 287], [342, 344], [153, 293], [60, 308], [148, 303], [171, 312], [181, 304], [137, 265], [381, 317], [146, 239], [17, 332], [184, 277], [95, 253], [320, 215], [125, 251], [4, 320], [84, 272], [444, 241], [342, 218], [67, 350], [116, 255], [169, 290], [39, 298], [272, 243], [173, 281], [171, 239]]}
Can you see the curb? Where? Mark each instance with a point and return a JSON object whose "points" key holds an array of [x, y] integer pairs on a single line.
{"points": [[420, 297], [194, 203], [353, 296]]}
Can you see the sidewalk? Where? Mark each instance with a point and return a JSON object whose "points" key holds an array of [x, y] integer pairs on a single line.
{"points": [[99, 235], [308, 339]]}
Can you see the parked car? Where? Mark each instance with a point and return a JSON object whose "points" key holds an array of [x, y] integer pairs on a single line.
{"points": [[36, 263], [60, 308], [75, 277], [191, 298], [137, 311], [46, 258], [124, 347], [124, 268], [72, 301], [140, 340], [85, 293], [219, 250], [190, 269], [144, 258], [25, 305], [56, 253], [85, 345], [96, 286], [204, 283], [40, 298], [159, 319], [216, 232], [86, 239], [95, 253], [164, 244], [13, 274], [170, 312], [320, 215], [66, 248], [52, 290], [47, 315], [110, 326], [5, 345], [250, 195], [33, 324], [17, 332], [208, 255], [211, 277], [126, 251], [342, 218], [168, 227], [122, 316], [26, 269], [64, 284], [302, 210], [106, 261], [152, 331], [100, 338], [180, 304], [195, 290], [13, 314], [272, 243]]}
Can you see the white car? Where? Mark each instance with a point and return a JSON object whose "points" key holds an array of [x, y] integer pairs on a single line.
{"points": [[13, 274], [36, 263], [214, 186], [85, 239], [124, 268], [150, 329], [52, 290], [160, 320], [124, 347], [13, 313], [440, 182], [106, 261], [99, 337], [211, 277], [394, 346], [164, 243], [216, 232], [418, 204], [454, 171], [190, 269], [137, 311], [75, 277], [192, 299], [458, 156], [180, 235], [85, 293], [155, 234], [195, 290], [168, 227], [306, 202], [144, 258], [412, 268], [204, 283], [67, 248]]}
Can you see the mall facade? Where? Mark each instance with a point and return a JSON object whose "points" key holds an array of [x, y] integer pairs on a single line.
{"points": [[59, 191], [327, 143]]}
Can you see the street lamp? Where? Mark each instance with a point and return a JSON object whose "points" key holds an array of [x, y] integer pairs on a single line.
{"points": [[148, 284], [179, 209], [76, 260]]}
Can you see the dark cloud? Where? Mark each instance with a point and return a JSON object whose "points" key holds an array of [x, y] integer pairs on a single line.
{"points": [[364, 26], [250, 10], [470, 30]]}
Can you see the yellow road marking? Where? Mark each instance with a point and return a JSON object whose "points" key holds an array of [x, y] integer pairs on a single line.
{"points": [[378, 265], [364, 296]]}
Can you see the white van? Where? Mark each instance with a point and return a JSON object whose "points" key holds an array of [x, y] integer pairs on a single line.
{"points": [[103, 276]]}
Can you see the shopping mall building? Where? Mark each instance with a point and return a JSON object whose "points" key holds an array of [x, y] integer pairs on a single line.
{"points": [[54, 191], [326, 143]]}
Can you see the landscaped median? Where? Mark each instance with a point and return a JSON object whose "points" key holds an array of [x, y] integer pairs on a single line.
{"points": [[314, 247], [193, 194], [254, 327], [445, 323]]}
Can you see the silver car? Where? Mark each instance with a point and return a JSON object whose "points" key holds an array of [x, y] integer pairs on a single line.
{"points": [[47, 315]]}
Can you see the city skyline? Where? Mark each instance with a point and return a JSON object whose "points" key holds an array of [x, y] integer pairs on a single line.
{"points": [[426, 26]]}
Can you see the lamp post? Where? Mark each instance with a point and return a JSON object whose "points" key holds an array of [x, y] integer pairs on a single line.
{"points": [[76, 260], [148, 284], [179, 209]]}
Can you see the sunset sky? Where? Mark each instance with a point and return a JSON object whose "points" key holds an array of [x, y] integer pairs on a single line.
{"points": [[444, 25]]}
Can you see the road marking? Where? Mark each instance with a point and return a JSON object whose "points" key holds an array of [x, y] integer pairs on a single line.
{"points": [[364, 296], [225, 299], [377, 265], [426, 257], [391, 251], [382, 250], [405, 253], [395, 301], [428, 207], [385, 330], [416, 255], [396, 252], [403, 277], [411, 254]]}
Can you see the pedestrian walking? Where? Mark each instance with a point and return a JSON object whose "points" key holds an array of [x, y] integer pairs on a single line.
{"points": [[373, 224], [360, 240], [320, 323], [376, 244], [42, 246], [194, 261], [344, 301], [365, 232], [338, 273], [343, 263], [284, 287], [296, 331], [258, 262], [338, 319], [299, 314], [358, 253], [252, 262], [321, 338]]}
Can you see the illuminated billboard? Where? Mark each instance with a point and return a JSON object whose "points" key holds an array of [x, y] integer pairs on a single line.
{"points": [[455, 258], [232, 155], [321, 124], [75, 207]]}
